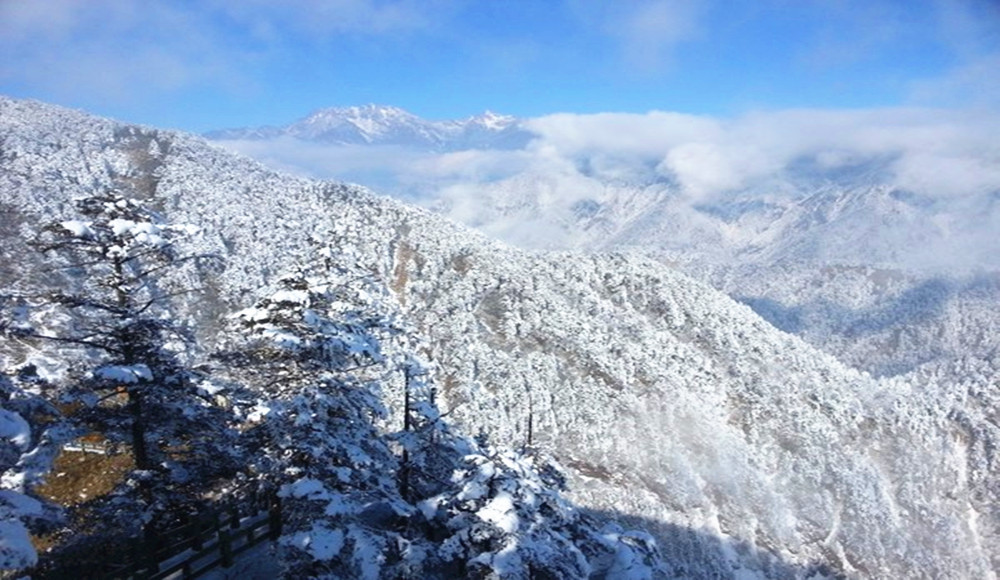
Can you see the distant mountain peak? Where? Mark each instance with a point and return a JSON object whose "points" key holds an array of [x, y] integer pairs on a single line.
{"points": [[493, 121], [369, 111], [375, 124]]}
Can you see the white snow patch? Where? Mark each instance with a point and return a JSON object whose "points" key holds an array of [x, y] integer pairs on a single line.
{"points": [[16, 550], [20, 503], [14, 428], [260, 410], [253, 314], [430, 506], [125, 373], [210, 388], [121, 227], [306, 488], [282, 338], [500, 512], [290, 296], [78, 228], [142, 232], [320, 542]]}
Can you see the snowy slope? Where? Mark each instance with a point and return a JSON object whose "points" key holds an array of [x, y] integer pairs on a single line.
{"points": [[748, 452], [798, 243]]}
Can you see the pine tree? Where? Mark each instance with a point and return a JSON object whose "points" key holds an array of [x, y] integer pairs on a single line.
{"points": [[504, 517], [312, 350], [136, 391]]}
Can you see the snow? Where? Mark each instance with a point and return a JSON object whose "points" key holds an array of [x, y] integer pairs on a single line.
{"points": [[20, 503], [16, 550], [253, 314], [430, 506], [120, 227], [127, 374], [78, 228], [306, 488], [663, 397], [210, 388], [321, 542], [281, 338], [300, 297], [504, 563], [15, 429], [258, 412], [628, 563], [500, 511], [385, 126]]}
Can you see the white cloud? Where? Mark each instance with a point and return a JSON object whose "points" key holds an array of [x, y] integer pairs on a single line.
{"points": [[651, 29], [645, 32], [673, 163], [135, 50], [122, 50], [932, 152], [972, 84], [270, 21], [623, 134], [709, 156], [705, 168]]}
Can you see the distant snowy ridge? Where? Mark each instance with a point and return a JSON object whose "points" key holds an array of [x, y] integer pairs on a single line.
{"points": [[748, 453], [384, 125], [869, 234]]}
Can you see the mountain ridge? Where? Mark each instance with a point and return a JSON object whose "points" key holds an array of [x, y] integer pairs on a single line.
{"points": [[747, 433], [813, 213], [387, 125]]}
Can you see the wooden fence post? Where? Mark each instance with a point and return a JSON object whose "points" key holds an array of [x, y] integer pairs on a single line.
{"points": [[234, 514], [136, 553], [151, 547], [197, 525], [145, 550], [274, 517], [225, 548]]}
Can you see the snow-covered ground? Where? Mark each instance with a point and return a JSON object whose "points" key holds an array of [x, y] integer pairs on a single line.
{"points": [[749, 452]]}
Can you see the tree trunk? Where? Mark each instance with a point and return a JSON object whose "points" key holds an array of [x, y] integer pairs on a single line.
{"points": [[139, 451]]}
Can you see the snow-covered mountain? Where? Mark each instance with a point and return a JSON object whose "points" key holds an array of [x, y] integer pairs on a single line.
{"points": [[384, 125], [747, 452], [818, 241]]}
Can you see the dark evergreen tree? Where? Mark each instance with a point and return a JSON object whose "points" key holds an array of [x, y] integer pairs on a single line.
{"points": [[133, 389], [419, 503], [504, 517], [312, 350]]}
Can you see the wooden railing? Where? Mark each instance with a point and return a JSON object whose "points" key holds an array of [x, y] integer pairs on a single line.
{"points": [[213, 538]]}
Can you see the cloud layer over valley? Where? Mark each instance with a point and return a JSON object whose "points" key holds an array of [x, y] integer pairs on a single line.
{"points": [[942, 166]]}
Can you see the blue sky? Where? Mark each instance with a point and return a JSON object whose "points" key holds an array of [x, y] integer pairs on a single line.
{"points": [[199, 65]]}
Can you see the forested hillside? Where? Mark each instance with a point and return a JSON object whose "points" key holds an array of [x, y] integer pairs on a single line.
{"points": [[309, 315]]}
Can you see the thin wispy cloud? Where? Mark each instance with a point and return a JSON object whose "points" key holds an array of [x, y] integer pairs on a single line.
{"points": [[124, 50], [317, 19], [213, 64], [649, 31]]}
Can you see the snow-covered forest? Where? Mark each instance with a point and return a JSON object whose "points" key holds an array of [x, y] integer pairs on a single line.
{"points": [[877, 254], [431, 403]]}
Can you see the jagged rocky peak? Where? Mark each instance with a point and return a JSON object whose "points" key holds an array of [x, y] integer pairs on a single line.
{"points": [[374, 124], [371, 118], [493, 121]]}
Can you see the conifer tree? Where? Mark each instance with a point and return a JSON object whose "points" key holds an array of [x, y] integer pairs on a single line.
{"points": [[117, 309], [312, 351]]}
